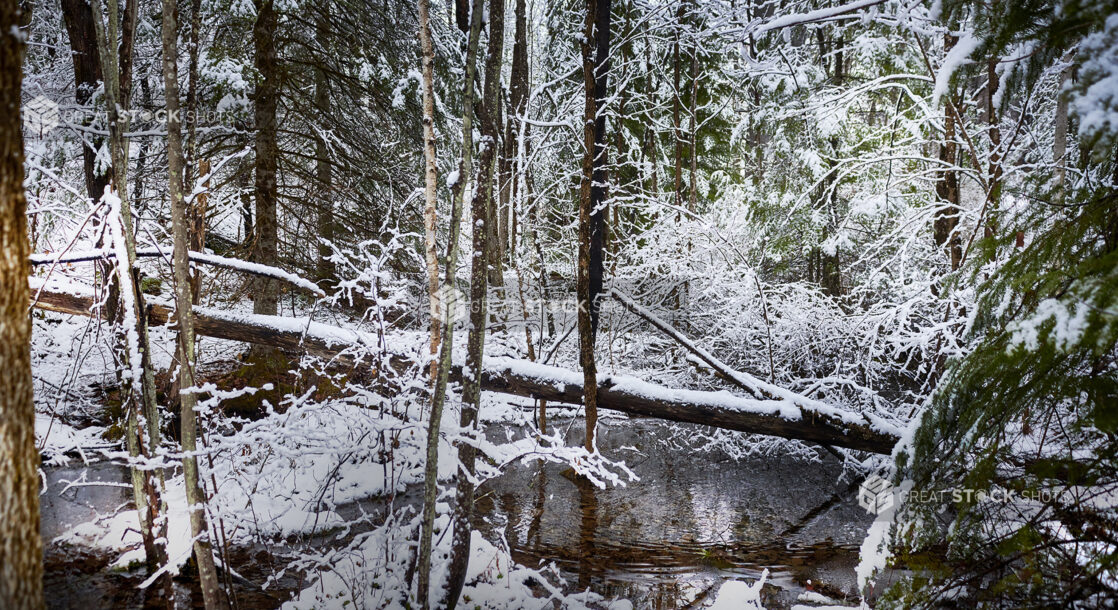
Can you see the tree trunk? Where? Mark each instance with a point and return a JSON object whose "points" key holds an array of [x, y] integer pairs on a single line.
{"points": [[493, 214], [592, 200], [599, 188], [197, 226], [994, 178], [518, 130], [693, 192], [677, 105], [482, 208], [21, 570], [649, 153], [196, 169], [195, 496], [1060, 141], [140, 393], [78, 17], [327, 270], [947, 186], [438, 397], [431, 184], [265, 293], [841, 429], [430, 178]]}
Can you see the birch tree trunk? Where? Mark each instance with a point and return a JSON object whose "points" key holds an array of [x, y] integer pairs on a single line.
{"points": [[438, 397], [431, 185], [1060, 140], [195, 497], [140, 395], [430, 179], [481, 207], [21, 549]]}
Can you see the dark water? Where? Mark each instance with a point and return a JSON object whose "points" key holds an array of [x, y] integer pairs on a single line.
{"points": [[669, 540], [690, 523]]}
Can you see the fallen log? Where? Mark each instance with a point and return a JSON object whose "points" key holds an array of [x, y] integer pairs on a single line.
{"points": [[201, 258], [275, 331], [782, 418]]}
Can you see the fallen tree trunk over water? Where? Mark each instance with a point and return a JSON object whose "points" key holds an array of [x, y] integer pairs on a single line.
{"points": [[782, 418]]}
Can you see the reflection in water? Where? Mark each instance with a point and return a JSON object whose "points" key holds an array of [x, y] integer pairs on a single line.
{"points": [[588, 529], [693, 521], [669, 540], [540, 483]]}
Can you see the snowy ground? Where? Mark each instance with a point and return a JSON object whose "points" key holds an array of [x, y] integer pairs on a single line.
{"points": [[294, 472]]}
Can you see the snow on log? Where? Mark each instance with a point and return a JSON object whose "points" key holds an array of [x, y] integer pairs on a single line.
{"points": [[815, 16], [204, 258], [780, 417], [830, 426], [297, 334], [757, 388]]}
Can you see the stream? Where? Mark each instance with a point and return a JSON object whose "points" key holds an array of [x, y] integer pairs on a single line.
{"points": [[693, 521]]}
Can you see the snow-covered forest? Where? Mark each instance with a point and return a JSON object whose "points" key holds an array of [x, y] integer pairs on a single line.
{"points": [[558, 304]]}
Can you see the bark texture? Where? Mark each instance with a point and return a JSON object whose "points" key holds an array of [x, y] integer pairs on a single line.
{"points": [[481, 212], [327, 270], [265, 250], [592, 199], [195, 497], [946, 223], [438, 396], [143, 412], [78, 18], [21, 549], [431, 184]]}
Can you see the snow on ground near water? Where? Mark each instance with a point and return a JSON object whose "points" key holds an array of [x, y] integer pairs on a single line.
{"points": [[120, 532], [739, 595], [56, 438]]}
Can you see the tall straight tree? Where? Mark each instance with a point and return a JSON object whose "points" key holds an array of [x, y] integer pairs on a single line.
{"points": [[140, 395], [265, 244], [438, 397], [430, 178], [517, 133], [481, 208], [21, 549], [592, 200], [195, 497], [327, 271], [431, 185]]}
